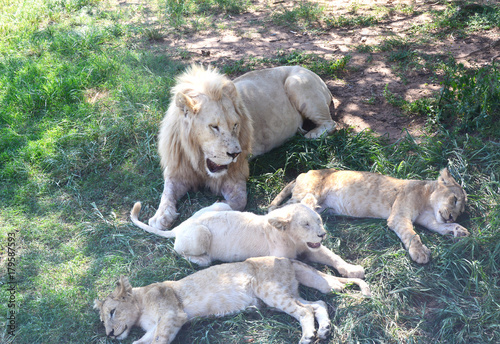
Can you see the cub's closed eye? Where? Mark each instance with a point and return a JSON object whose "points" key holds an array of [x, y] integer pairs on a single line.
{"points": [[455, 199], [112, 312], [215, 127]]}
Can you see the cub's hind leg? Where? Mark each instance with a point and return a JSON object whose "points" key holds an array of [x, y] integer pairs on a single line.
{"points": [[321, 314], [193, 242], [277, 296]]}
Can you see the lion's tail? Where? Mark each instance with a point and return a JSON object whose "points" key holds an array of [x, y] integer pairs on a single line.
{"points": [[287, 191], [310, 277], [134, 216]]}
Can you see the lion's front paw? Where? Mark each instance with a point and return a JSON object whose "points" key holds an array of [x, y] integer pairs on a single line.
{"points": [[420, 253], [353, 271], [163, 220]]}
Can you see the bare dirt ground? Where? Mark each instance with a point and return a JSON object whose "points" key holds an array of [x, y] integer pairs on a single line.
{"points": [[358, 93]]}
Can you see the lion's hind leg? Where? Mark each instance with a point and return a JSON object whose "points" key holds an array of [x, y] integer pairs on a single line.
{"points": [[312, 99]]}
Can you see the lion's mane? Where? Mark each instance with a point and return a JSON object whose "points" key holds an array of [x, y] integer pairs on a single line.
{"points": [[179, 149]]}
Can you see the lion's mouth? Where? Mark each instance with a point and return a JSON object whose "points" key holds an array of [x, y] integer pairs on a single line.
{"points": [[447, 220], [214, 168], [314, 244]]}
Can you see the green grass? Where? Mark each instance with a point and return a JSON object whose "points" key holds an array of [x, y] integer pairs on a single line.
{"points": [[81, 98]]}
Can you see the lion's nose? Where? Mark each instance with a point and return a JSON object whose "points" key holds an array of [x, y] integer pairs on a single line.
{"points": [[112, 333], [234, 155], [322, 235]]}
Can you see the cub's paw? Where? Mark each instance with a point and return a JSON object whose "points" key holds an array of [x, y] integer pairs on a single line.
{"points": [[420, 253], [324, 331], [306, 339], [459, 231], [353, 271]]}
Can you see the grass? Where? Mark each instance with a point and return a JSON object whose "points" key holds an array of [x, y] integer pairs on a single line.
{"points": [[81, 98]]}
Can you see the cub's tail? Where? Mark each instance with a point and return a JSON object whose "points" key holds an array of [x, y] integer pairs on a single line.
{"points": [[287, 191], [310, 277], [134, 216]]}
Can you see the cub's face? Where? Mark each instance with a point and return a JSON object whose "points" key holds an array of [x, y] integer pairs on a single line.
{"points": [[119, 314], [306, 226], [217, 128], [118, 317], [448, 200]]}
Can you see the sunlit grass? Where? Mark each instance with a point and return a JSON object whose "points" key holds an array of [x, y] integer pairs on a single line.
{"points": [[81, 99]]}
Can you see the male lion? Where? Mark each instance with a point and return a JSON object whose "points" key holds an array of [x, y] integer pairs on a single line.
{"points": [[219, 233], [213, 124], [162, 308], [432, 204]]}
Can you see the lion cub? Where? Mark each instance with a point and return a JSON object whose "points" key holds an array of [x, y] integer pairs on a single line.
{"points": [[162, 308], [432, 204], [219, 233]]}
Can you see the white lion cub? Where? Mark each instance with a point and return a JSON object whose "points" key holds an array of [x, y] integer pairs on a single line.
{"points": [[219, 233]]}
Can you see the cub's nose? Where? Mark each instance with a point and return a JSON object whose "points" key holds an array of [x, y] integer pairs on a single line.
{"points": [[111, 334], [234, 155], [322, 235]]}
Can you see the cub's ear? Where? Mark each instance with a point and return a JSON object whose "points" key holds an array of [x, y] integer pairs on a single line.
{"points": [[123, 288], [445, 177], [97, 304], [281, 222], [187, 103], [310, 201]]}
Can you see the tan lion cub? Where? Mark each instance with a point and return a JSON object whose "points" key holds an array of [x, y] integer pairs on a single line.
{"points": [[219, 233], [162, 308], [432, 204]]}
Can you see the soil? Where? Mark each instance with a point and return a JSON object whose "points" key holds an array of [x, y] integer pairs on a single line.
{"points": [[358, 93]]}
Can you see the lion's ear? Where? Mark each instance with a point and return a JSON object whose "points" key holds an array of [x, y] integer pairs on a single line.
{"points": [[123, 288], [310, 201], [445, 177], [186, 103], [280, 222], [230, 90]]}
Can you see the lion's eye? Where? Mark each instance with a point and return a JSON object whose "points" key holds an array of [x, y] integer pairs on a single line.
{"points": [[235, 127], [214, 127], [455, 199], [112, 312]]}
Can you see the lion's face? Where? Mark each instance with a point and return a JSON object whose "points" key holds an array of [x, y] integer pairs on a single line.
{"points": [[448, 200], [217, 130], [118, 311], [303, 223]]}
